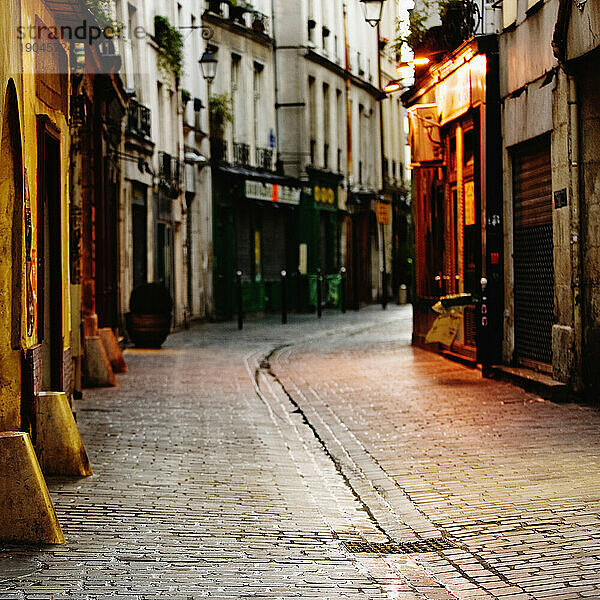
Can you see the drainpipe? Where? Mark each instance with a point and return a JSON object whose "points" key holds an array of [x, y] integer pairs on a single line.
{"points": [[382, 166], [559, 46], [278, 164], [575, 229], [349, 168]]}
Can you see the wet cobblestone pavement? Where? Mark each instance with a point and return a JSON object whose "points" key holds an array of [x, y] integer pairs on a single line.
{"points": [[236, 464]]}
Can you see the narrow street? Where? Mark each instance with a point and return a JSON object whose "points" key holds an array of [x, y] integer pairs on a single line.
{"points": [[312, 460]]}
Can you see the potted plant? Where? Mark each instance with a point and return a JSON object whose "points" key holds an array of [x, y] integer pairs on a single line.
{"points": [[237, 8], [149, 319], [219, 107], [214, 6], [258, 22]]}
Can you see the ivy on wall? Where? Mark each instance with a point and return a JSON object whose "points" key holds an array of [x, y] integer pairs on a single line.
{"points": [[170, 46]]}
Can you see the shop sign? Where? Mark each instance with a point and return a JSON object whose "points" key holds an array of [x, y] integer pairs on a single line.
{"points": [[324, 196], [470, 218], [269, 192], [382, 210], [453, 94]]}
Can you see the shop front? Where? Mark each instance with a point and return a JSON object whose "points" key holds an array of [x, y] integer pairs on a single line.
{"points": [[255, 234], [318, 236], [455, 140]]}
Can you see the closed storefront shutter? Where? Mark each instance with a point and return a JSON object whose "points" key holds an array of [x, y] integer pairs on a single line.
{"points": [[533, 254], [273, 242]]}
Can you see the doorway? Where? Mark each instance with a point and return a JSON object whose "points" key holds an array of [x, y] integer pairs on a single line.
{"points": [[50, 269], [533, 254]]}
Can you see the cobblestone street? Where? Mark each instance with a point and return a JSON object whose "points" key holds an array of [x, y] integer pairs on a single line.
{"points": [[246, 464]]}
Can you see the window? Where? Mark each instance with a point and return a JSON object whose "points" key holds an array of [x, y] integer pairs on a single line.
{"points": [[312, 116], [257, 90], [236, 60], [326, 125]]}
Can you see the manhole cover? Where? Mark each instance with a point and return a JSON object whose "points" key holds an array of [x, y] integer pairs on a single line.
{"points": [[14, 567], [431, 545]]}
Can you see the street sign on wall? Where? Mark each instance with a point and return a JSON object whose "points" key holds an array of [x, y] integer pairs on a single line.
{"points": [[383, 213], [272, 192]]}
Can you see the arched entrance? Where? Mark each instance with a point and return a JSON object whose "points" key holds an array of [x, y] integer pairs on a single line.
{"points": [[11, 262]]}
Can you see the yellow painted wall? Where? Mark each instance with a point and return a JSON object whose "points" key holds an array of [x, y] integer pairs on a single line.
{"points": [[18, 65], [10, 360]]}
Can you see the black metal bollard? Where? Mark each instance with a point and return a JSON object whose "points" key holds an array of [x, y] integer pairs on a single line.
{"points": [[284, 306], [319, 293], [240, 301], [384, 297], [484, 331], [343, 290]]}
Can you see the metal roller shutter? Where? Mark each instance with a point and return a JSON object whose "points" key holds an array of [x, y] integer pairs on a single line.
{"points": [[273, 242], [533, 254]]}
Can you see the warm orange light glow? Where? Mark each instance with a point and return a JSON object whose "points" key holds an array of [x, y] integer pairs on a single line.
{"points": [[419, 62], [405, 71], [392, 86]]}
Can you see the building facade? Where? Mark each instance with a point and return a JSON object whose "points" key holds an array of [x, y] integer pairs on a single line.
{"points": [[165, 231], [544, 320], [37, 339]]}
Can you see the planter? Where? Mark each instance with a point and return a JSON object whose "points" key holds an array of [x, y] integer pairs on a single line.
{"points": [[214, 6], [148, 331], [236, 13]]}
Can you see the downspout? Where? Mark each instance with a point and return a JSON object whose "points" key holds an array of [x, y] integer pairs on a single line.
{"points": [[349, 166], [559, 45], [575, 230], [382, 166], [279, 163]]}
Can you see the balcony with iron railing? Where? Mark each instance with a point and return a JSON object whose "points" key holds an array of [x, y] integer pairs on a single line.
{"points": [[169, 171], [241, 154], [264, 158], [218, 149], [139, 119], [240, 13]]}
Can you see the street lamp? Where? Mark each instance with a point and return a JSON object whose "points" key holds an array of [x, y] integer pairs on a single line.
{"points": [[373, 10], [208, 64], [394, 85]]}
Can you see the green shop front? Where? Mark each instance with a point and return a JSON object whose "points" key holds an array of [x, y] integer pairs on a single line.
{"points": [[319, 240], [255, 232]]}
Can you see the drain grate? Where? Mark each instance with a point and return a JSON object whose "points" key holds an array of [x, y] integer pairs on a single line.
{"points": [[430, 545]]}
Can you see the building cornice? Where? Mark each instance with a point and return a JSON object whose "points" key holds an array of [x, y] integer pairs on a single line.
{"points": [[323, 61], [237, 29]]}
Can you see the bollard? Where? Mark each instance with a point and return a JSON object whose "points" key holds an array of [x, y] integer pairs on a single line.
{"points": [[384, 298], [319, 293], [484, 342], [240, 301], [343, 290], [284, 307]]}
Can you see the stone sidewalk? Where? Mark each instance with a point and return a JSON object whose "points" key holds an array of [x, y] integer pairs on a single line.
{"points": [[244, 464]]}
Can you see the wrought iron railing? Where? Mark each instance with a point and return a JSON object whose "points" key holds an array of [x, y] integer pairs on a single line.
{"points": [[218, 149], [241, 153], [169, 170], [264, 158], [139, 119]]}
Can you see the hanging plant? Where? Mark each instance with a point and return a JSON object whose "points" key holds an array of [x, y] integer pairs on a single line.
{"points": [[100, 9], [221, 113], [415, 34], [170, 46], [185, 96]]}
